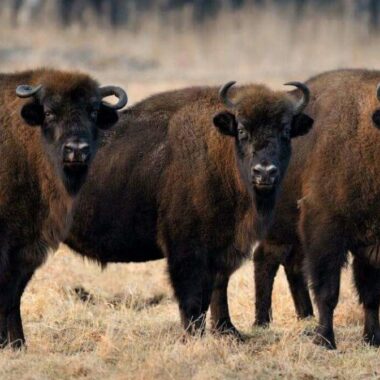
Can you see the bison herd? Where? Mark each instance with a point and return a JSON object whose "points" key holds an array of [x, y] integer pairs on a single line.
{"points": [[197, 176]]}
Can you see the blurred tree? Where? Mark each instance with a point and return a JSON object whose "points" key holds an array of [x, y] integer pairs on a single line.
{"points": [[116, 12]]}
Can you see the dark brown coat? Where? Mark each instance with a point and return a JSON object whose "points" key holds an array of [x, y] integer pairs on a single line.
{"points": [[47, 141], [334, 178], [180, 185]]}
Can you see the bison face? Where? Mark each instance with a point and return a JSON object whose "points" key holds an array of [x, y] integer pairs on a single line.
{"points": [[69, 120], [263, 127]]}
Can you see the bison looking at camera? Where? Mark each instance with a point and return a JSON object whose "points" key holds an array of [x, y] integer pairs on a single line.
{"points": [[331, 193], [195, 183], [47, 141]]}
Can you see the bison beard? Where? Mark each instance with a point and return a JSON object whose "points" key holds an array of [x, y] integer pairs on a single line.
{"points": [[182, 192]]}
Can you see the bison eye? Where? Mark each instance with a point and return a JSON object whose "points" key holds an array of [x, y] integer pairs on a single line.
{"points": [[286, 133], [49, 115], [242, 134], [94, 114]]}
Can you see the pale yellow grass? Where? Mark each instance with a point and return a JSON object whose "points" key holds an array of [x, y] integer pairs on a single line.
{"points": [[119, 335]]}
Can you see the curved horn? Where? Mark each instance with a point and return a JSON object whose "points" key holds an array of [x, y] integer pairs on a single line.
{"points": [[223, 94], [301, 105], [116, 91], [378, 91], [26, 91]]}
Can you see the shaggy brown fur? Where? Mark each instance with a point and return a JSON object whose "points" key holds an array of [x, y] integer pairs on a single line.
{"points": [[334, 177], [36, 186], [184, 190]]}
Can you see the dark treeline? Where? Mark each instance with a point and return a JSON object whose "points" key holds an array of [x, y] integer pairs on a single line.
{"points": [[118, 13]]}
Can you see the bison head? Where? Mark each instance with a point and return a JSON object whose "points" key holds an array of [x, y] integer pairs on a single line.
{"points": [[69, 109], [263, 122]]}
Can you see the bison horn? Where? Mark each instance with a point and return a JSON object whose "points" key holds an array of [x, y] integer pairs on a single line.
{"points": [[26, 91], [301, 105], [116, 91], [223, 94]]}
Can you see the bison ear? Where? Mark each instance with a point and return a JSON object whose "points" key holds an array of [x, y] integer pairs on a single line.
{"points": [[33, 114], [376, 118], [301, 125], [226, 123], [107, 117]]}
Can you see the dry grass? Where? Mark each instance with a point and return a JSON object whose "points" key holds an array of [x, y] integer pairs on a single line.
{"points": [[128, 326]]}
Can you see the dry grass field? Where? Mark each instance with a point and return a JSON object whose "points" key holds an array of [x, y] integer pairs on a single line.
{"points": [[128, 327]]}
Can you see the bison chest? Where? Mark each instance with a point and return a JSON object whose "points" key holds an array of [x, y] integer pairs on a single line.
{"points": [[57, 220]]}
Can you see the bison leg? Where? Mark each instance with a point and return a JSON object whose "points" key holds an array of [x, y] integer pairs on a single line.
{"points": [[15, 330], [266, 264], [325, 255], [220, 315], [10, 317], [367, 281], [3, 329], [192, 281], [293, 266]]}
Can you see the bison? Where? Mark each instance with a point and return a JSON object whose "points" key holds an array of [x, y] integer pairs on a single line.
{"points": [[194, 178], [48, 138], [331, 197]]}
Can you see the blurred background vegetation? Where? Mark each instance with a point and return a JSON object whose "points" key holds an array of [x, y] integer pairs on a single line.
{"points": [[154, 45], [126, 13]]}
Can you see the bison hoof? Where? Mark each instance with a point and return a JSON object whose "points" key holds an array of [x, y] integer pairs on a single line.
{"points": [[372, 338], [305, 316], [261, 323], [228, 329], [325, 340]]}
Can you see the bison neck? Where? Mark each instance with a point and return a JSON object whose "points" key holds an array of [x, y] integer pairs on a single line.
{"points": [[59, 212], [263, 213], [253, 212]]}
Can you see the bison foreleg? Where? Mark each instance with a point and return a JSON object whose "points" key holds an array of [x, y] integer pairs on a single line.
{"points": [[192, 281], [266, 265], [10, 316], [325, 255], [220, 315], [367, 281]]}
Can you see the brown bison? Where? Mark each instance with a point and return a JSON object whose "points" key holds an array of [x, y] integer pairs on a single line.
{"points": [[331, 194], [194, 178], [48, 138]]}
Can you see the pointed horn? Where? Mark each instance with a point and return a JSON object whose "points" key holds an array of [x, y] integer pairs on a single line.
{"points": [[301, 105], [223, 94], [116, 91], [26, 91]]}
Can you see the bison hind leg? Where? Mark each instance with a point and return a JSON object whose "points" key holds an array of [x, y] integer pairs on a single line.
{"points": [[367, 281], [293, 266]]}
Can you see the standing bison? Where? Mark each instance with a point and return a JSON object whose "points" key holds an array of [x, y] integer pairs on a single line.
{"points": [[331, 192], [194, 178], [47, 141]]}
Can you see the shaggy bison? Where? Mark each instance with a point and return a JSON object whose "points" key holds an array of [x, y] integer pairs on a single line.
{"points": [[331, 192], [194, 178], [48, 138]]}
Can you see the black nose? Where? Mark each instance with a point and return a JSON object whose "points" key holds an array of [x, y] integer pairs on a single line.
{"points": [[265, 174], [76, 152]]}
